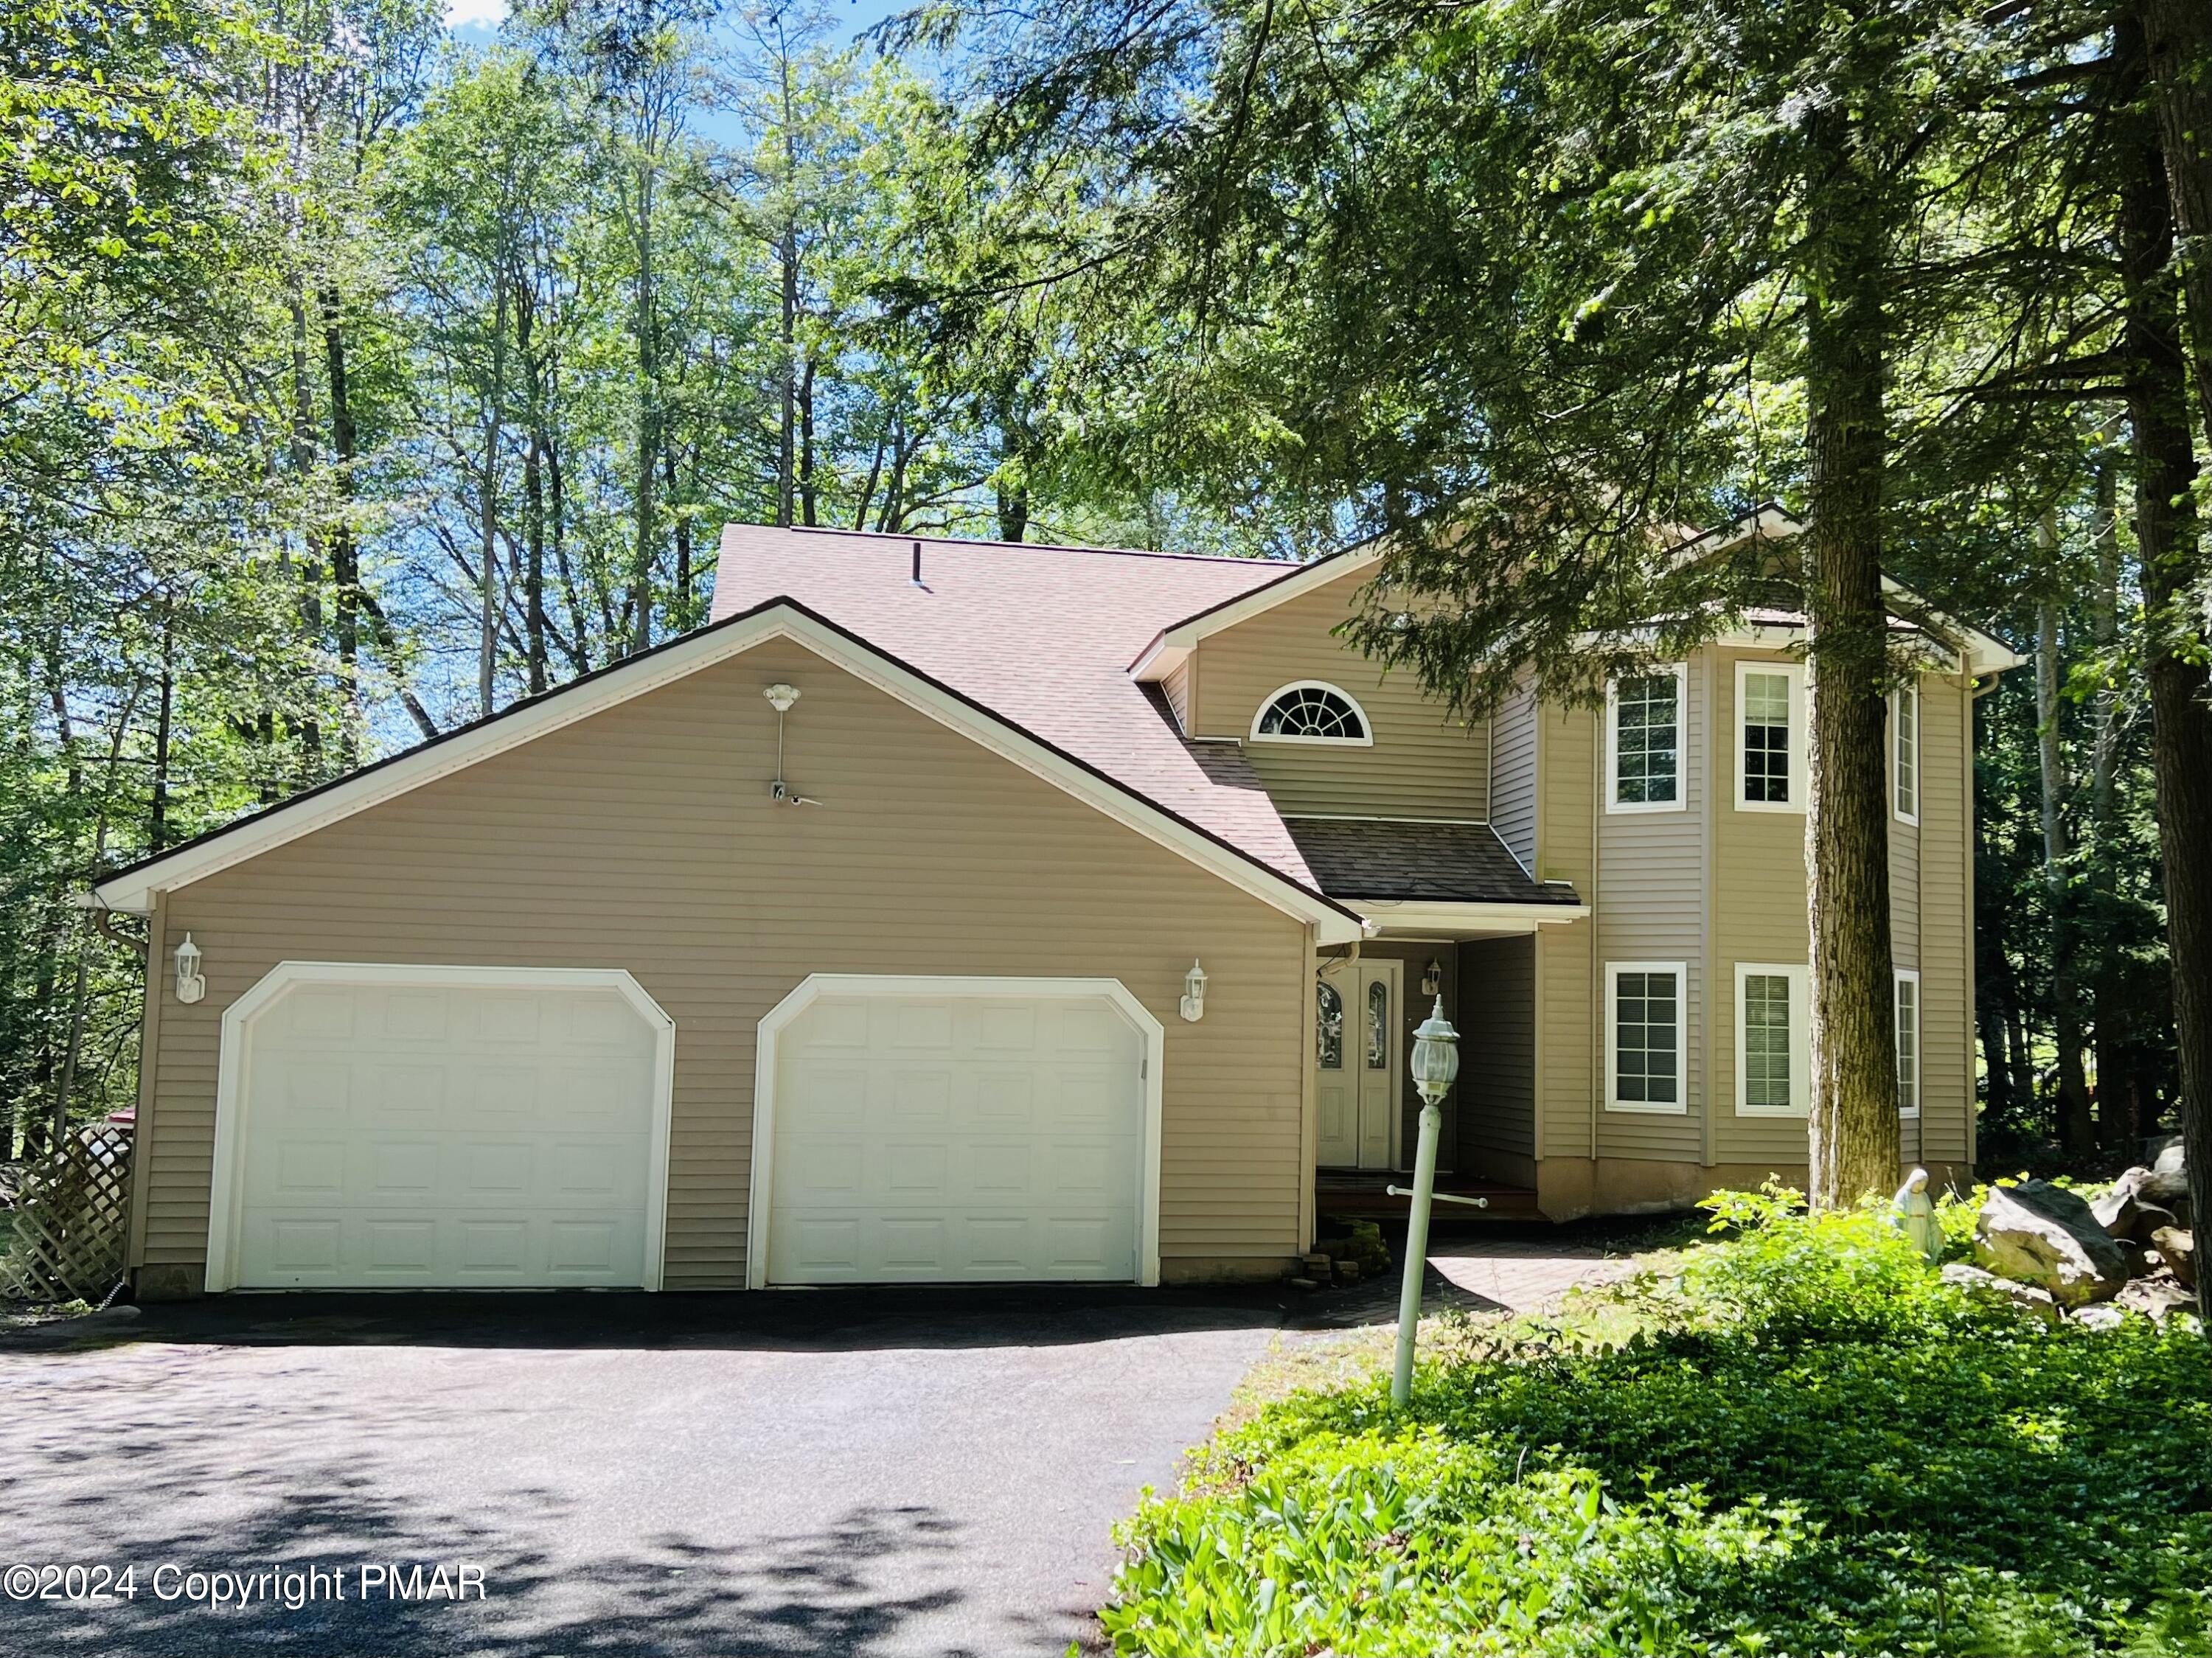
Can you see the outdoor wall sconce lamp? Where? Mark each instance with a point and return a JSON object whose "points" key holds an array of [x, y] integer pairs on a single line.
{"points": [[1193, 1006], [191, 984], [1432, 980]]}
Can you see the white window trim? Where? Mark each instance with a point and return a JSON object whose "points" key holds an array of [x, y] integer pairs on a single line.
{"points": [[226, 1210], [1149, 1031], [1799, 775], [1281, 691], [1613, 804], [1681, 1108], [1897, 701], [1801, 1040], [1903, 975]]}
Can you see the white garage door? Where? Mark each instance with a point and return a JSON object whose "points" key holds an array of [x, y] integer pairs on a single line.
{"points": [[451, 1133], [929, 1134]]}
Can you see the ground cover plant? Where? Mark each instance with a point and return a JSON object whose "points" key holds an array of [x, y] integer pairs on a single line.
{"points": [[1794, 1441]]}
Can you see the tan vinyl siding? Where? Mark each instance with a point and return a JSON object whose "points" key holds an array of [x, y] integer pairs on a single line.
{"points": [[1758, 916], [1496, 1089], [1566, 1054], [1651, 874], [1176, 686], [1423, 762], [1513, 776], [644, 838], [1947, 1092]]}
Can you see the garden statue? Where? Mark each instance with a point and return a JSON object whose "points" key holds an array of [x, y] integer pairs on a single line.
{"points": [[1912, 1212]]}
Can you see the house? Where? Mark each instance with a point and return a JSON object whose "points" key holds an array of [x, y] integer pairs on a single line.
{"points": [[956, 911]]}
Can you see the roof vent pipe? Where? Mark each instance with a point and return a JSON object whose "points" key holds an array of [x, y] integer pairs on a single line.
{"points": [[917, 564]]}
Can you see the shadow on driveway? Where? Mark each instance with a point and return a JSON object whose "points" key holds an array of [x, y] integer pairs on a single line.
{"points": [[870, 1471]]}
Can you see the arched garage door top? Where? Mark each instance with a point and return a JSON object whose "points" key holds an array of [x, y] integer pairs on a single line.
{"points": [[387, 1124]]}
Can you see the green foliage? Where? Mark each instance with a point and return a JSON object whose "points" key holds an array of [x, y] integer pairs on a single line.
{"points": [[1809, 1445]]}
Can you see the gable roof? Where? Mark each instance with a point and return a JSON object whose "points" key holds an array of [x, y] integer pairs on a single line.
{"points": [[132, 889], [1042, 636]]}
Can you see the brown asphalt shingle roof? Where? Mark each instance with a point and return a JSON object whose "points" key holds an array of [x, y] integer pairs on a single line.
{"points": [[1387, 858]]}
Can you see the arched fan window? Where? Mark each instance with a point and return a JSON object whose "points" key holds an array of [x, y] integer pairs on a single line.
{"points": [[1311, 712]]}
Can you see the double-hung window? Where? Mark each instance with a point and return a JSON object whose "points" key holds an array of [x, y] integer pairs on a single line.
{"points": [[1769, 703], [1644, 1037], [1643, 741], [1905, 753], [1774, 1048], [1908, 1043]]}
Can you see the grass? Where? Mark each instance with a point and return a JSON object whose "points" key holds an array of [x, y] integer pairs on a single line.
{"points": [[1795, 1441]]}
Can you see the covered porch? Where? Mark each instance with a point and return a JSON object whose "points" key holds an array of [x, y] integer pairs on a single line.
{"points": [[1454, 920]]}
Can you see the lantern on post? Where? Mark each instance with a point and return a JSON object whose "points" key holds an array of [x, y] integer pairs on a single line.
{"points": [[1436, 1063]]}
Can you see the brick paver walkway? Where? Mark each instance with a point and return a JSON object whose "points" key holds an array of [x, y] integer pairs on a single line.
{"points": [[1516, 1275]]}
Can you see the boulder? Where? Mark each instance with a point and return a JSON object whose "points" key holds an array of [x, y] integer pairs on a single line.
{"points": [[2142, 1259], [2165, 1188], [1991, 1290], [2157, 1298], [2167, 1156], [2100, 1315], [2177, 1249], [2115, 1209], [2148, 1218], [2042, 1235]]}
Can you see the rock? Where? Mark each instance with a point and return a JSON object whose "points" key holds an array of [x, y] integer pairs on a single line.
{"points": [[1305, 1283], [2041, 1233], [2115, 1209], [2148, 1218], [1347, 1271], [2101, 1315], [1991, 1290], [2177, 1249], [2157, 1298], [2142, 1261], [2167, 1156], [2167, 1188]]}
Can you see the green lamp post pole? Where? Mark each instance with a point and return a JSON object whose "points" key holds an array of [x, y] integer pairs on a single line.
{"points": [[1436, 1062]]}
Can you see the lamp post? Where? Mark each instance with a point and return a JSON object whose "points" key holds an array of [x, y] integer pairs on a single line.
{"points": [[1436, 1062]]}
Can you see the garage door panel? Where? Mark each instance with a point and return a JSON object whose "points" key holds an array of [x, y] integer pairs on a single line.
{"points": [[487, 1157], [965, 1166]]}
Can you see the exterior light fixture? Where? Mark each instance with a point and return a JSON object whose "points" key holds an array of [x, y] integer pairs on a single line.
{"points": [[1193, 1006], [191, 984], [781, 697], [1432, 982], [1435, 1064]]}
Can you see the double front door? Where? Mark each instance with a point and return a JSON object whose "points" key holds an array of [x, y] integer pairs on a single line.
{"points": [[1359, 1064]]}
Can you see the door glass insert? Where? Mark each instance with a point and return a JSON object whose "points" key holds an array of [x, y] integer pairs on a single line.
{"points": [[1328, 1025], [1379, 1025]]}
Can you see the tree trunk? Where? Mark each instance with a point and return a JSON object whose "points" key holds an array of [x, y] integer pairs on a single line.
{"points": [[1853, 1131], [808, 490], [787, 425], [680, 603], [157, 811], [648, 416], [2076, 1129], [2178, 34], [488, 503], [1996, 1055], [345, 551], [2115, 1126], [1014, 512], [533, 489]]}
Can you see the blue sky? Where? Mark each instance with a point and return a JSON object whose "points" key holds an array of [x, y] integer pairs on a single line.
{"points": [[478, 21]]}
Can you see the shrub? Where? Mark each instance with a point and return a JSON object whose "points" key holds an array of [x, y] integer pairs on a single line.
{"points": [[1809, 1445]]}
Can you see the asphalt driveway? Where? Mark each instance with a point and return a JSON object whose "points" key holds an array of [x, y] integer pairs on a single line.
{"points": [[833, 1471]]}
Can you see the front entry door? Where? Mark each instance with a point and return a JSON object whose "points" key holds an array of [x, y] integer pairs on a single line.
{"points": [[1359, 1063]]}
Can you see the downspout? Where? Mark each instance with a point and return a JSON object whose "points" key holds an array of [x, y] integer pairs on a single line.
{"points": [[1598, 737]]}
